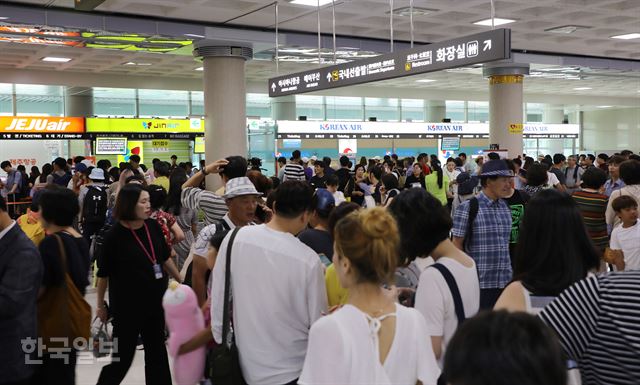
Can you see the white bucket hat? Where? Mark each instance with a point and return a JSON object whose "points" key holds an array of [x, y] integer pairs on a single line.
{"points": [[238, 187], [96, 174]]}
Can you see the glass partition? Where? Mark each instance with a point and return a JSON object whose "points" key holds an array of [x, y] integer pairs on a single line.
{"points": [[258, 105], [163, 103], [344, 108], [310, 106], [383, 109], [39, 100], [412, 109], [6, 99], [455, 110], [117, 102]]}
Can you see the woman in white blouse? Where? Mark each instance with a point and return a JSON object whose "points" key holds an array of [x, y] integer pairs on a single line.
{"points": [[372, 339]]}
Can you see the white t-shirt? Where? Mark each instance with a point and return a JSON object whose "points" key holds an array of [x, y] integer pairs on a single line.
{"points": [[278, 290], [552, 179], [343, 351], [338, 196], [627, 240], [435, 302]]}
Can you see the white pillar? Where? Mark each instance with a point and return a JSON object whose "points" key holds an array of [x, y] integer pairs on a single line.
{"points": [[554, 114], [506, 105], [284, 108], [436, 110], [224, 102], [78, 102]]}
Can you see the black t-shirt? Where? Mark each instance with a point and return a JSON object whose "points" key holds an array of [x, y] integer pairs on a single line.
{"points": [[561, 177], [132, 281], [516, 203], [411, 179], [343, 175], [77, 253], [318, 182], [320, 241]]}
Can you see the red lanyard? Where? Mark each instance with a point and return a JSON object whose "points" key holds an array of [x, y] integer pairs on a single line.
{"points": [[152, 255]]}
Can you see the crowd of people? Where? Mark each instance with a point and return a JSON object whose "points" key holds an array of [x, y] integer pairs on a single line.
{"points": [[389, 271]]}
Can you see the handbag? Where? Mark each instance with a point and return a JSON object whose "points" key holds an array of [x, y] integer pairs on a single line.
{"points": [[101, 338], [63, 313], [224, 361]]}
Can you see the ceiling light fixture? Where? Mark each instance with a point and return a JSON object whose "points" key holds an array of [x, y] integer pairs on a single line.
{"points": [[311, 3], [426, 81], [4, 17], [417, 11], [496, 21], [628, 36], [199, 69], [54, 59], [194, 35], [565, 29], [605, 106], [582, 88]]}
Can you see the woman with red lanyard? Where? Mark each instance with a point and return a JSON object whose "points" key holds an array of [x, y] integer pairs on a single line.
{"points": [[133, 265]]}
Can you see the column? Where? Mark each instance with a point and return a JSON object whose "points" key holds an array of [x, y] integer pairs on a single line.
{"points": [[435, 111], [284, 108], [506, 105], [224, 101], [554, 114], [78, 102]]}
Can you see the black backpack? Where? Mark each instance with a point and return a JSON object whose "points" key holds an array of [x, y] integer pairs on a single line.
{"points": [[94, 208], [61, 180]]}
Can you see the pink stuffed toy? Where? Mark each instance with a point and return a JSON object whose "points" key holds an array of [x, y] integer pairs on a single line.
{"points": [[184, 319]]}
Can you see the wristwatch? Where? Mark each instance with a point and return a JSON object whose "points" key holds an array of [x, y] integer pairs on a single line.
{"points": [[204, 171]]}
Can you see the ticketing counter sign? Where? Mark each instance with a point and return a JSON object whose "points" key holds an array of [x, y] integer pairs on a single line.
{"points": [[146, 129], [395, 130], [38, 127]]}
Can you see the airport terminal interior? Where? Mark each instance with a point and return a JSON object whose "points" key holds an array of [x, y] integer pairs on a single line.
{"points": [[465, 168]]}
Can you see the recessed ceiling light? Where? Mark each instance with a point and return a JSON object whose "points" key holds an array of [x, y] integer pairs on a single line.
{"points": [[605, 106], [311, 3], [56, 59], [426, 81], [4, 17], [628, 36], [566, 28], [130, 63], [194, 35], [496, 21], [199, 69], [417, 11], [582, 88]]}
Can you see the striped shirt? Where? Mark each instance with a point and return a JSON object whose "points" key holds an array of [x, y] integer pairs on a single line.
{"points": [[597, 322], [593, 207], [293, 171], [213, 206]]}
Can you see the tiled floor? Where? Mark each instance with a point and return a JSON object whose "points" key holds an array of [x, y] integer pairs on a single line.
{"points": [[88, 367]]}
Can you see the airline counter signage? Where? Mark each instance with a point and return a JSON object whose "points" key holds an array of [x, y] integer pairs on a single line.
{"points": [[145, 126], [473, 49], [394, 130], [37, 127]]}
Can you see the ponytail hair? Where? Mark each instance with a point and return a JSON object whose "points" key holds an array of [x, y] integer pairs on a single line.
{"points": [[438, 169], [370, 240]]}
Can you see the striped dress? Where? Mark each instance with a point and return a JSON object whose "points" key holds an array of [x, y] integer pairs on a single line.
{"points": [[593, 207], [597, 322]]}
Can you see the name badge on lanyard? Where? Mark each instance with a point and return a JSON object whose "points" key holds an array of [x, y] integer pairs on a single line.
{"points": [[157, 269]]}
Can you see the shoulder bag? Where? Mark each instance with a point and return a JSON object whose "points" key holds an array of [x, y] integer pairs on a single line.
{"points": [[224, 361], [63, 313]]}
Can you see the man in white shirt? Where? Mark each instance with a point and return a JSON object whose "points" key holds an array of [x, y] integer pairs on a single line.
{"points": [[278, 290]]}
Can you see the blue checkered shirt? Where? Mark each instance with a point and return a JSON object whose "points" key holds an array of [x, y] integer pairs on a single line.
{"points": [[489, 246]]}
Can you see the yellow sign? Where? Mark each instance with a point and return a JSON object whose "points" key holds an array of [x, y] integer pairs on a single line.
{"points": [[198, 146], [160, 143], [516, 128], [335, 75], [150, 126], [407, 67], [133, 148]]}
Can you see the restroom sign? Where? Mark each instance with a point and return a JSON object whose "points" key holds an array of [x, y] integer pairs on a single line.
{"points": [[516, 128]]}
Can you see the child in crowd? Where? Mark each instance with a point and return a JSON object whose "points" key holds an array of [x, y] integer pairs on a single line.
{"points": [[625, 239], [173, 234], [332, 186], [31, 226]]}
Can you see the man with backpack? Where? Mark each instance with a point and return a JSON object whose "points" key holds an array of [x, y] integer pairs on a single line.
{"points": [[60, 175], [482, 229], [93, 204]]}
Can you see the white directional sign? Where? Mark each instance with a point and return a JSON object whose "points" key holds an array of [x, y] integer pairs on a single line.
{"points": [[479, 48]]}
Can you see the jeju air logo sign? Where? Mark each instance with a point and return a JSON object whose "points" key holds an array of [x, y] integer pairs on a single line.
{"points": [[27, 124]]}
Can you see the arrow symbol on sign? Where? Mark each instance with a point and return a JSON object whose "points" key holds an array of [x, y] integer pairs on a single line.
{"points": [[487, 45], [329, 77], [273, 87]]}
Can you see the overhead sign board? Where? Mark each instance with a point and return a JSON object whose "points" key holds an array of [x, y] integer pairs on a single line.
{"points": [[473, 49], [111, 146], [37, 127], [198, 145], [450, 143], [145, 126], [393, 130]]}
